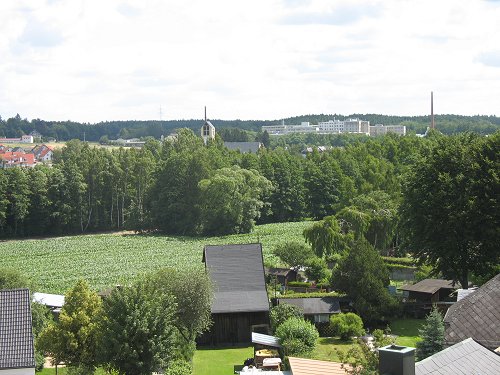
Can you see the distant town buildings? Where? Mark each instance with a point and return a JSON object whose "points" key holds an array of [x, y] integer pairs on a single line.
{"points": [[351, 125], [11, 157], [24, 139]]}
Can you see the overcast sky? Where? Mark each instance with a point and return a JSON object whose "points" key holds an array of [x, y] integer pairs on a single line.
{"points": [[98, 60]]}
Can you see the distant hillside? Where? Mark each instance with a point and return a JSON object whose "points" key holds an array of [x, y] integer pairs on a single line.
{"points": [[66, 130]]}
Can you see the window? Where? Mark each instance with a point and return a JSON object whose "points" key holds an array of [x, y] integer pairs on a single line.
{"points": [[321, 318]]}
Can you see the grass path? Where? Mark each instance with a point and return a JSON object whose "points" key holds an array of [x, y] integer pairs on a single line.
{"points": [[55, 264]]}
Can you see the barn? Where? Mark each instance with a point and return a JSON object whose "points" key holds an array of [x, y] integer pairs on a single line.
{"points": [[240, 305]]}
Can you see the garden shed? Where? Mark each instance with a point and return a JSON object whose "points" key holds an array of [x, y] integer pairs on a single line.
{"points": [[282, 275], [429, 290], [315, 309], [240, 305]]}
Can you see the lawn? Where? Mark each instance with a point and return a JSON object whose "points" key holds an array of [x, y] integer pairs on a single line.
{"points": [[406, 330], [55, 264], [326, 348], [219, 361]]}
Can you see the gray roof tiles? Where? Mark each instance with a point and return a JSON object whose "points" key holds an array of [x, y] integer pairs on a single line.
{"points": [[244, 147], [464, 358], [16, 332], [477, 316], [237, 272], [325, 305]]}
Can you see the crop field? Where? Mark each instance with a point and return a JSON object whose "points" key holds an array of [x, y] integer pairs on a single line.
{"points": [[104, 260]]}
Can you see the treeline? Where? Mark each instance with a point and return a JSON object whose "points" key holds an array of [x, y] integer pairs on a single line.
{"points": [[66, 130], [184, 187]]}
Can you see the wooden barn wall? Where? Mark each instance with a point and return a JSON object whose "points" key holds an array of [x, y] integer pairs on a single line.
{"points": [[233, 328]]}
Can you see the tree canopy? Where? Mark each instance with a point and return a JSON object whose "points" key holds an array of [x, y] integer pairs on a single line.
{"points": [[450, 212]]}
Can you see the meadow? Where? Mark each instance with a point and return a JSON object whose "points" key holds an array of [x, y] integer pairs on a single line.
{"points": [[55, 264]]}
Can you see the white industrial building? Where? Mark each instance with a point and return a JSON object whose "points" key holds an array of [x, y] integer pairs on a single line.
{"points": [[351, 125]]}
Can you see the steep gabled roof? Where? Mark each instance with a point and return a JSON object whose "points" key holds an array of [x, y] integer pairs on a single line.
{"points": [[465, 358], [430, 286], [309, 306], [16, 332], [477, 316], [237, 272]]}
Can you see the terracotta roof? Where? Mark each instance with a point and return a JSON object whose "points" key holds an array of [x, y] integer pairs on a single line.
{"points": [[303, 366], [237, 272], [465, 358], [430, 286], [16, 332], [476, 315], [18, 158]]}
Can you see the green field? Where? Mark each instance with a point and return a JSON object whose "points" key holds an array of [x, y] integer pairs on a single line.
{"points": [[55, 264]]}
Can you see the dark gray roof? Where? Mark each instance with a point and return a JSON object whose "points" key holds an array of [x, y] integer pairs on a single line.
{"points": [[237, 272], [325, 305], [477, 316], [467, 358], [16, 333], [243, 146], [430, 286], [278, 271]]}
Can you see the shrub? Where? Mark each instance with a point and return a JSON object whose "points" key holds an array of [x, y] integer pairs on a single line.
{"points": [[282, 312], [317, 269], [179, 367], [292, 294], [297, 336], [294, 254], [347, 325], [299, 284]]}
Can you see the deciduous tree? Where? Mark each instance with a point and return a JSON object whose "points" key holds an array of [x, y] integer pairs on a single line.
{"points": [[73, 339], [450, 212]]}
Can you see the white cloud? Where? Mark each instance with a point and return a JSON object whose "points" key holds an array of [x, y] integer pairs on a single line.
{"points": [[93, 61]]}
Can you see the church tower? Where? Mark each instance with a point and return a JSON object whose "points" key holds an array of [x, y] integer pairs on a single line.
{"points": [[207, 130]]}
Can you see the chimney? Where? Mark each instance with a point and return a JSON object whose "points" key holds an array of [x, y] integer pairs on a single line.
{"points": [[396, 360]]}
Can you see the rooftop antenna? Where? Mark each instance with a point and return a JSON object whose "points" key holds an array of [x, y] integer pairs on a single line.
{"points": [[205, 113], [433, 125]]}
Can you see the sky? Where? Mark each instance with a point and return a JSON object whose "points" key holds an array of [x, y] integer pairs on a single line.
{"points": [[101, 60]]}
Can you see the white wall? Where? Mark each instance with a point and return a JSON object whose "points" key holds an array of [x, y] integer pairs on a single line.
{"points": [[18, 371]]}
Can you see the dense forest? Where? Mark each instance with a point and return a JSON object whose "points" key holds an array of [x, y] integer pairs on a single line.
{"points": [[67, 130], [183, 187]]}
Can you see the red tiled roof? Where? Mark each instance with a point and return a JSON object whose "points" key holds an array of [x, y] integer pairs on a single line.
{"points": [[18, 158]]}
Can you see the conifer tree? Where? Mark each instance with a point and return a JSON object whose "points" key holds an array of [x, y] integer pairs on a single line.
{"points": [[432, 334]]}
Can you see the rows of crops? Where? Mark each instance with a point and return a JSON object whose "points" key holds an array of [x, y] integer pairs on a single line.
{"points": [[55, 264]]}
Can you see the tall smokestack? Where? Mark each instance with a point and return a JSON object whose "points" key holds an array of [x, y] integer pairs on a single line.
{"points": [[433, 125]]}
